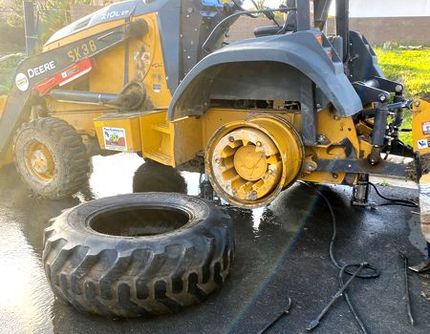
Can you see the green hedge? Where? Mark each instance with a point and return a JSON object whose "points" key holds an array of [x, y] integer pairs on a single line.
{"points": [[12, 39]]}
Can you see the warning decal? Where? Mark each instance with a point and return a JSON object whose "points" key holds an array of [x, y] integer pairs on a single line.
{"points": [[426, 128], [115, 139], [423, 144]]}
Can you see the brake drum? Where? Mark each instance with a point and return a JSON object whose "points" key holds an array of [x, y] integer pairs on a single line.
{"points": [[250, 162]]}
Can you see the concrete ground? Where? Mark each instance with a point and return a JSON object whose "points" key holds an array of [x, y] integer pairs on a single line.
{"points": [[282, 252]]}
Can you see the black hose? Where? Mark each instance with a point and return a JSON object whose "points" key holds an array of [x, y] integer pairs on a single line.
{"points": [[371, 271], [392, 201]]}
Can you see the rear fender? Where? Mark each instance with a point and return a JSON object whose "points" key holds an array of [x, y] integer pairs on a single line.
{"points": [[267, 68]]}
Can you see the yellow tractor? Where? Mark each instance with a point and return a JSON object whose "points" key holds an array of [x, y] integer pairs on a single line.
{"points": [[156, 77]]}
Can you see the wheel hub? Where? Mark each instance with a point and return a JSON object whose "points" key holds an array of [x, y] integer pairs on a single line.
{"points": [[250, 162], [40, 161]]}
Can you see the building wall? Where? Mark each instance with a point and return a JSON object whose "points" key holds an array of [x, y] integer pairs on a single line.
{"points": [[412, 30], [389, 8], [244, 27]]}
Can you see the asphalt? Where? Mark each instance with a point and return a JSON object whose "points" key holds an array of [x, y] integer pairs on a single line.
{"points": [[282, 252]]}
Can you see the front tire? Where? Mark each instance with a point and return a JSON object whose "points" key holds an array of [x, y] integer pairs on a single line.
{"points": [[51, 158], [138, 254], [155, 177]]}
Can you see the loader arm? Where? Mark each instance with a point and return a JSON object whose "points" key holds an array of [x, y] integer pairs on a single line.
{"points": [[39, 70]]}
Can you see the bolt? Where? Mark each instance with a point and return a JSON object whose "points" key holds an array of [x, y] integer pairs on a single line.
{"points": [[253, 195], [231, 139], [322, 139], [399, 88], [258, 144], [271, 170], [335, 176]]}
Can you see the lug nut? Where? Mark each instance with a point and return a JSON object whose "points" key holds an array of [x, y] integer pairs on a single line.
{"points": [[258, 144], [231, 139], [253, 195]]}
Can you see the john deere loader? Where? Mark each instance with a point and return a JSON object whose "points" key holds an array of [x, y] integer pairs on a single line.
{"points": [[158, 78]]}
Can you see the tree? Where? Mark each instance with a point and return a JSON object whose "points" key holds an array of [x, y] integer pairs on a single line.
{"points": [[260, 4], [51, 14], [48, 11]]}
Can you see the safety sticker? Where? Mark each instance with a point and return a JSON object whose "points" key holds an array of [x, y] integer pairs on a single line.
{"points": [[156, 88], [426, 128], [115, 139], [423, 143]]}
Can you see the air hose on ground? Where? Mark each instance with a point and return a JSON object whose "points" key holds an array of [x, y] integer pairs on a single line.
{"points": [[361, 270], [354, 269]]}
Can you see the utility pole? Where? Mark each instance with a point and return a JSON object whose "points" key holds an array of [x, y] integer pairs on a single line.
{"points": [[30, 27]]}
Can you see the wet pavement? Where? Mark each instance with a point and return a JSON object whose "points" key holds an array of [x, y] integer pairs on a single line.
{"points": [[282, 251]]}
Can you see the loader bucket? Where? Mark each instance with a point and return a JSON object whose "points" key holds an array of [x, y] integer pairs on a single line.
{"points": [[421, 144]]}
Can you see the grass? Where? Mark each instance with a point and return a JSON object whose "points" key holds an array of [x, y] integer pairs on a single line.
{"points": [[412, 68]]}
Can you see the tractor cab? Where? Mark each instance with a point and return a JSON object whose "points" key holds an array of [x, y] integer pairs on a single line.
{"points": [[183, 25]]}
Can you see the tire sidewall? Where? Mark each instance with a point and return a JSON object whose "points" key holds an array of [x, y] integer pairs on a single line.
{"points": [[203, 215]]}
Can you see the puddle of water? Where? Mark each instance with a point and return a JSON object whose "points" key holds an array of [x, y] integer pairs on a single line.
{"points": [[25, 296], [27, 304]]}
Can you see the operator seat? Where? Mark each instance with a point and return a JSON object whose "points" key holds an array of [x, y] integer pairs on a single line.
{"points": [[289, 25]]}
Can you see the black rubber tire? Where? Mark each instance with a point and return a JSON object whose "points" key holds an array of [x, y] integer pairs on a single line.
{"points": [[155, 177], [71, 161], [126, 276]]}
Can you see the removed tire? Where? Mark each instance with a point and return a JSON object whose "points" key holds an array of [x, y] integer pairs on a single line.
{"points": [[153, 176], [51, 158], [138, 254]]}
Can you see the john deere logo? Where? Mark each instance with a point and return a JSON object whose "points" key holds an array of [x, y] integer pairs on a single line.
{"points": [[21, 81]]}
